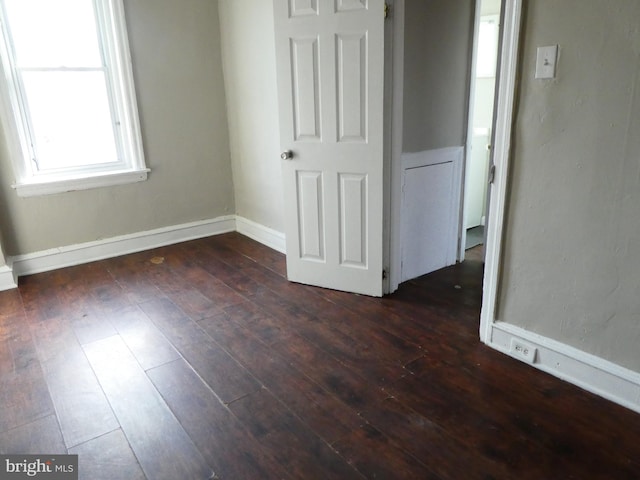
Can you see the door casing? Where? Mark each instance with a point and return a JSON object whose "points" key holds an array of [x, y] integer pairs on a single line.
{"points": [[511, 14]]}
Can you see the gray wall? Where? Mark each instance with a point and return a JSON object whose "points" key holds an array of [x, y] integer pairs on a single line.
{"points": [[248, 51], [436, 73], [178, 72], [572, 263]]}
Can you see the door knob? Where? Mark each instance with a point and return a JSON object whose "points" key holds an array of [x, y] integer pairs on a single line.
{"points": [[287, 155]]}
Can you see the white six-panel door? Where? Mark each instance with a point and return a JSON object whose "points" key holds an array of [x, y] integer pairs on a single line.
{"points": [[330, 58]]}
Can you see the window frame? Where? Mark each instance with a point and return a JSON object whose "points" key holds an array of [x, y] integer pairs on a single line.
{"points": [[114, 44]]}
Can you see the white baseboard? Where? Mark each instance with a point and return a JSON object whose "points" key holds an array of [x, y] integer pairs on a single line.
{"points": [[112, 247], [587, 371], [265, 235], [8, 278]]}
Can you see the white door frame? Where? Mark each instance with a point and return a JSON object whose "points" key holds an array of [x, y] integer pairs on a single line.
{"points": [[512, 15], [394, 89], [390, 141], [503, 124], [462, 232]]}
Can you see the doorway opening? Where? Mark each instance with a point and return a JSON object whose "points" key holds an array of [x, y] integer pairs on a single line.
{"points": [[480, 123], [435, 52]]}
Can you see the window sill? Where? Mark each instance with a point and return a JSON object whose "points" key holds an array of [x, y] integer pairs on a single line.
{"points": [[70, 184]]}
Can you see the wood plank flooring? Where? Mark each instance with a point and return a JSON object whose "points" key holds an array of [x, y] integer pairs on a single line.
{"points": [[201, 360]]}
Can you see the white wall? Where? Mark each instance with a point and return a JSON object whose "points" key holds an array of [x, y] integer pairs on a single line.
{"points": [[490, 7], [248, 50], [483, 105], [177, 67], [572, 245]]}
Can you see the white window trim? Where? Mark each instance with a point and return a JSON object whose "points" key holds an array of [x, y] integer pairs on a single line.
{"points": [[31, 183]]}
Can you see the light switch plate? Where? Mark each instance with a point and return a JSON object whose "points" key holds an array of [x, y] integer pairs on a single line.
{"points": [[546, 62]]}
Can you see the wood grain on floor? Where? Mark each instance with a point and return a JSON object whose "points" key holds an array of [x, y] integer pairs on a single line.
{"points": [[201, 359]]}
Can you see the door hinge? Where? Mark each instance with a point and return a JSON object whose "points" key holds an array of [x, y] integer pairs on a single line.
{"points": [[492, 173], [386, 10], [384, 273]]}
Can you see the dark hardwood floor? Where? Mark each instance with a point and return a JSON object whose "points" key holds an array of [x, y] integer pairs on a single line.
{"points": [[200, 357]]}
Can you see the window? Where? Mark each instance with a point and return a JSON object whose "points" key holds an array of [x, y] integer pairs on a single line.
{"points": [[69, 101]]}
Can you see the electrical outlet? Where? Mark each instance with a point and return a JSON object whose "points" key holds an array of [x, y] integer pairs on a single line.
{"points": [[523, 350]]}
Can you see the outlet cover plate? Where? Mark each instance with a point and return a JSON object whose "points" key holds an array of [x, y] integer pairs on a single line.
{"points": [[523, 350]]}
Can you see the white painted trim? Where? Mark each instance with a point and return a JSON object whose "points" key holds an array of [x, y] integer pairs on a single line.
{"points": [[112, 247], [457, 191], [598, 376], [105, 179], [397, 112], [8, 278], [123, 70], [469, 136], [71, 255], [389, 42], [508, 63], [265, 235], [130, 167], [570, 364]]}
